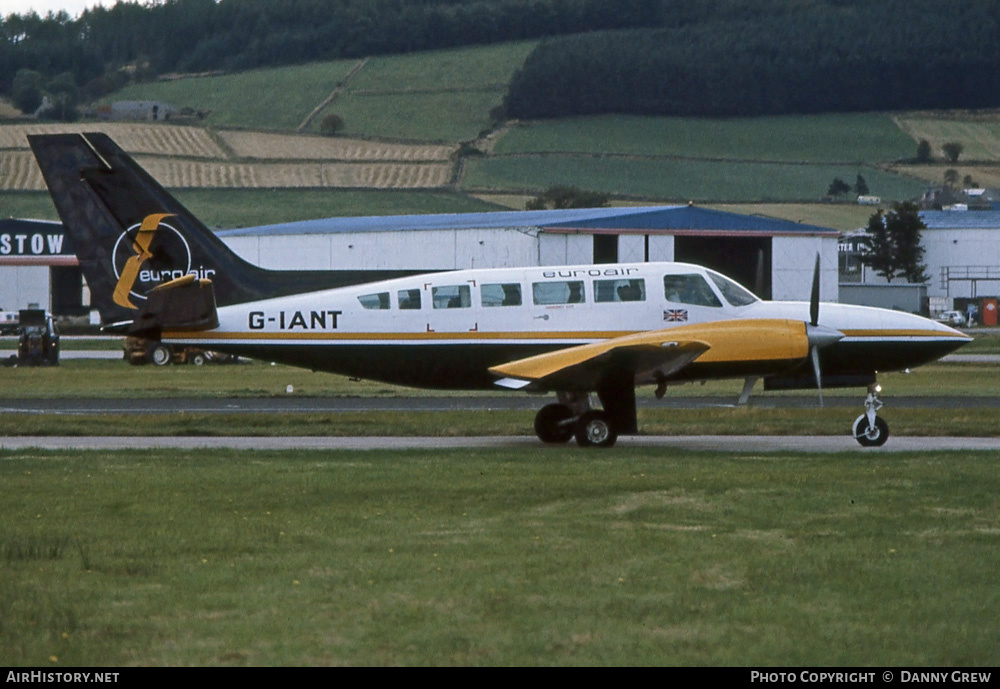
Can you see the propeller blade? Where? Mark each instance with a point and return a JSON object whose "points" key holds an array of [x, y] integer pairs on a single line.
{"points": [[814, 299], [814, 355]]}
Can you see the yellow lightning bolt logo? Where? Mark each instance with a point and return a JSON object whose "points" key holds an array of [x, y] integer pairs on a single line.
{"points": [[143, 240]]}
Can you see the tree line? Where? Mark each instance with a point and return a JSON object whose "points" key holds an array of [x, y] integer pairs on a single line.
{"points": [[657, 57], [806, 57], [209, 35]]}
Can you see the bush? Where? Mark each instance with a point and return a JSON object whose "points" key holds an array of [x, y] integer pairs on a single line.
{"points": [[331, 125]]}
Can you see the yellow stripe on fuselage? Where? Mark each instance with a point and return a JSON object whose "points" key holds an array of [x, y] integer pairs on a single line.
{"points": [[740, 340], [393, 337]]}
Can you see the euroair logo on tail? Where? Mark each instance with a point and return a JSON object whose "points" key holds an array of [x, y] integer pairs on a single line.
{"points": [[148, 254]]}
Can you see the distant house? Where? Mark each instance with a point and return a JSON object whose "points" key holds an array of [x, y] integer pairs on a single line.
{"points": [[943, 198], [141, 110]]}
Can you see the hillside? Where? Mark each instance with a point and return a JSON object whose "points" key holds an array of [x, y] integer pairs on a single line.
{"points": [[424, 124]]}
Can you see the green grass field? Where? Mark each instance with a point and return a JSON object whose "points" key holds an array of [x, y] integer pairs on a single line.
{"points": [[497, 557], [979, 136], [433, 96], [116, 380], [677, 180], [233, 208], [27, 204], [279, 98], [488, 66], [847, 138], [439, 116], [76, 378]]}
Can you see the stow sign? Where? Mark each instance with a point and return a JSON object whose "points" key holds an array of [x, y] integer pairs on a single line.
{"points": [[23, 239]]}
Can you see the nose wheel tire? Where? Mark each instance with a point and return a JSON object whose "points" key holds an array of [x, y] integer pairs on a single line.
{"points": [[551, 423], [869, 435], [594, 429]]}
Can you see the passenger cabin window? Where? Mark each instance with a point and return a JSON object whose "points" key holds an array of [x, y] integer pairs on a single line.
{"points": [[569, 292], [408, 299], [506, 294], [451, 297], [619, 290], [689, 289], [733, 292], [378, 302]]}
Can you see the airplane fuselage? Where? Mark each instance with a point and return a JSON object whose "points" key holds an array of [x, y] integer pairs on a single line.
{"points": [[445, 330]]}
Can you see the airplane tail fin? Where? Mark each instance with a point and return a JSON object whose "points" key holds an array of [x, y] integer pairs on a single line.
{"points": [[131, 236]]}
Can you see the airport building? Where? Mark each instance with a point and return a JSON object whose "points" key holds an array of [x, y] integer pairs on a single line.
{"points": [[962, 256], [773, 257]]}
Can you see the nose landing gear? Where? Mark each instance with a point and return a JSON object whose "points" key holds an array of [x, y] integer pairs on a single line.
{"points": [[871, 430]]}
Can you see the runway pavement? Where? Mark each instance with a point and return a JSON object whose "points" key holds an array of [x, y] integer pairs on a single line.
{"points": [[741, 444], [299, 404]]}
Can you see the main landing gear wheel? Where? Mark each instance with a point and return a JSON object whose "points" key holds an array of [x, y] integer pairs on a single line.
{"points": [[552, 423], [871, 435], [160, 354], [594, 429]]}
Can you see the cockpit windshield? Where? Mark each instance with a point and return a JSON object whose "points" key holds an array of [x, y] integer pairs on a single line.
{"points": [[733, 292]]}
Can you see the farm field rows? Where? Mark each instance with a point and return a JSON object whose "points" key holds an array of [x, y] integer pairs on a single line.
{"points": [[979, 134], [427, 121]]}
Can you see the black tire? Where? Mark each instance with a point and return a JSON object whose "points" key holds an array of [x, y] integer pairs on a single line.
{"points": [[197, 359], [159, 354], [868, 436], [594, 429], [548, 420]]}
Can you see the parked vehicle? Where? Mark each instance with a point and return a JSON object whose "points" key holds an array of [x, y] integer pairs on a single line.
{"points": [[8, 322], [139, 350], [38, 339], [952, 318]]}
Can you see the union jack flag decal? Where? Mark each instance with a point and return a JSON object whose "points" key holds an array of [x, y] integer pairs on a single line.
{"points": [[675, 315]]}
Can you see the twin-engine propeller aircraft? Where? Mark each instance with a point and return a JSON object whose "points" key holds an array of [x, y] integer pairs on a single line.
{"points": [[155, 270]]}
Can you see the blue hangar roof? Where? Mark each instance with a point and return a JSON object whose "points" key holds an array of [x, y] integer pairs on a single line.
{"points": [[668, 219], [965, 220]]}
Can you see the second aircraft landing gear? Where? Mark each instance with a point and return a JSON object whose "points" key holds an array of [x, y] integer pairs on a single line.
{"points": [[871, 430]]}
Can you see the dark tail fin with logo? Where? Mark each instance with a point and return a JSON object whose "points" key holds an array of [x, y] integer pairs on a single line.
{"points": [[132, 236]]}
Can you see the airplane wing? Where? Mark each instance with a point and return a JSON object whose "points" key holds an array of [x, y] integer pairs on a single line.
{"points": [[655, 355]]}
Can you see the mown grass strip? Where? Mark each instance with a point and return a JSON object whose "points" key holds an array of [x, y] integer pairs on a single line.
{"points": [[113, 379], [497, 557], [963, 422]]}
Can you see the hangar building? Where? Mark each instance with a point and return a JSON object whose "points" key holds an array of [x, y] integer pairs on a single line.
{"points": [[962, 255], [773, 257]]}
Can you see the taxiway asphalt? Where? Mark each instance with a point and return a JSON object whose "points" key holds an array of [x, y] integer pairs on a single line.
{"points": [[299, 404], [742, 444]]}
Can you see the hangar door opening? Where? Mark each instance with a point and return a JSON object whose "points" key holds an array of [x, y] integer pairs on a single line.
{"points": [[66, 290], [744, 259]]}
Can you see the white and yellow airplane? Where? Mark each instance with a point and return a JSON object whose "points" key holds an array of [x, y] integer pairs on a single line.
{"points": [[155, 270]]}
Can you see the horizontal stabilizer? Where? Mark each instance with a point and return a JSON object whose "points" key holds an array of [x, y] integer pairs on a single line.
{"points": [[187, 303]]}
